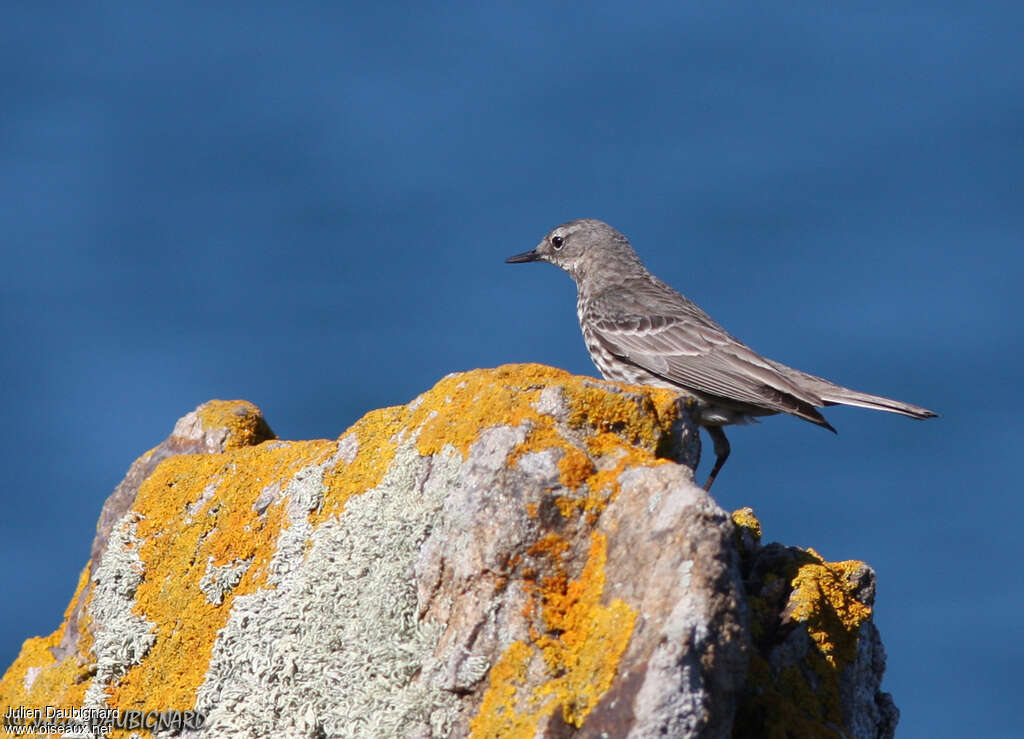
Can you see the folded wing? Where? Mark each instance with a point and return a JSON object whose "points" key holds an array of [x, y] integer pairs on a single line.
{"points": [[682, 345]]}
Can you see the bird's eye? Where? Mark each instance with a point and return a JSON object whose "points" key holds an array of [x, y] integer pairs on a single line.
{"points": [[557, 241]]}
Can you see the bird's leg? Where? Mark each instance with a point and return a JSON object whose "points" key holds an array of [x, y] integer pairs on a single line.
{"points": [[721, 452]]}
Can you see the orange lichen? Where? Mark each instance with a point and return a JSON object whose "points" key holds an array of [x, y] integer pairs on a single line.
{"points": [[802, 699], [744, 518], [578, 641], [375, 435], [175, 549], [642, 416], [638, 419], [590, 637], [823, 598], [241, 419], [459, 407], [56, 683], [591, 493], [579, 651], [179, 534], [498, 716], [549, 545], [575, 468], [453, 413], [64, 683]]}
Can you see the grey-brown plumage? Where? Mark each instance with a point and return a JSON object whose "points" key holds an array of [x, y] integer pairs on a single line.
{"points": [[639, 330]]}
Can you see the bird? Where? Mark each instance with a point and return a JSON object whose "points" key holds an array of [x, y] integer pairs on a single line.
{"points": [[639, 330]]}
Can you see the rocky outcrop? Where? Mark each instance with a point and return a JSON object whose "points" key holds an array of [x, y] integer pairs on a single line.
{"points": [[817, 660], [516, 552]]}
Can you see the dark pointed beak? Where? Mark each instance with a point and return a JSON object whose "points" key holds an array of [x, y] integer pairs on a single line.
{"points": [[526, 256]]}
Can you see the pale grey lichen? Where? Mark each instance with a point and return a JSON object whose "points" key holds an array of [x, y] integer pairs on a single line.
{"points": [[206, 497], [333, 645], [218, 581], [120, 638], [30, 677], [471, 671]]}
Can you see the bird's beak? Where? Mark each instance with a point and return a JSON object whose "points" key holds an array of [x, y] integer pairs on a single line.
{"points": [[526, 256]]}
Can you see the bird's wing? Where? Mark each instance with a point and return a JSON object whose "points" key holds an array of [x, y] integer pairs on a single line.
{"points": [[677, 341]]}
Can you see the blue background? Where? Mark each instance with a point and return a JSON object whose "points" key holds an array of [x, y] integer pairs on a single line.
{"points": [[308, 207]]}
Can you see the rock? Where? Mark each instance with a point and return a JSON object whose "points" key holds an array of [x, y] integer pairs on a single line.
{"points": [[516, 552], [818, 660]]}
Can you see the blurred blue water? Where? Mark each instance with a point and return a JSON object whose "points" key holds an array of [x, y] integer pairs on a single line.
{"points": [[308, 207]]}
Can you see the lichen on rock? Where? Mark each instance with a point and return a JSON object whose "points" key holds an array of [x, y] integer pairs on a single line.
{"points": [[516, 552], [818, 660]]}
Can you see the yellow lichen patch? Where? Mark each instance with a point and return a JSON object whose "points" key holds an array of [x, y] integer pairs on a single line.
{"points": [[376, 436], [580, 650], [594, 491], [451, 414], [55, 683], [568, 506], [498, 717], [552, 546], [575, 468], [801, 697], [621, 456], [823, 598], [588, 638], [456, 409], [242, 420], [459, 407], [606, 444], [636, 421], [176, 546], [643, 414], [744, 518], [454, 412], [195, 511]]}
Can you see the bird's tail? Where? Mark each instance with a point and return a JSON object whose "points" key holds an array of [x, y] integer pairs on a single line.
{"points": [[844, 396], [832, 394]]}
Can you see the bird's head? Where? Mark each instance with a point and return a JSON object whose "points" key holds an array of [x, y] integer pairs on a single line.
{"points": [[583, 248]]}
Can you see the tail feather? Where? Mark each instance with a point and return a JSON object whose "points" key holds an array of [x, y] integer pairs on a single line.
{"points": [[832, 394], [837, 395]]}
